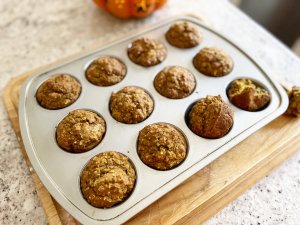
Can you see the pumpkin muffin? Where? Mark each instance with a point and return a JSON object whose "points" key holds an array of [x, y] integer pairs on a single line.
{"points": [[213, 62], [183, 35], [80, 131], [247, 95], [161, 146], [58, 92], [106, 71], [175, 82], [147, 52], [131, 105], [210, 117], [294, 102], [107, 179]]}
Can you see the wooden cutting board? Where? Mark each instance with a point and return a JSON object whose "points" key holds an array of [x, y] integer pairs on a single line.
{"points": [[203, 194]]}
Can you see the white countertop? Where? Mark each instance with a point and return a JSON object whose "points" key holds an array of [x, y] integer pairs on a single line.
{"points": [[33, 33]]}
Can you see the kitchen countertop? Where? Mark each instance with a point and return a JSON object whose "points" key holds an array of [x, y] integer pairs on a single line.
{"points": [[36, 32]]}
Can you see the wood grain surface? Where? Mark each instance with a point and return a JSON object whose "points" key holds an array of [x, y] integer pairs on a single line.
{"points": [[203, 194]]}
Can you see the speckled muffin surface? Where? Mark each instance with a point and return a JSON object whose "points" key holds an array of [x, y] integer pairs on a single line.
{"points": [[294, 102], [246, 95], [106, 71], [147, 52], [161, 146], [211, 117], [107, 179], [213, 62], [183, 35], [131, 105], [80, 131], [175, 82], [58, 92]]}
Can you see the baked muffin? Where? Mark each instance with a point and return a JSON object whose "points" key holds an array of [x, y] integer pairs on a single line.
{"points": [[80, 131], [183, 35], [175, 82], [294, 102], [210, 117], [213, 62], [58, 92], [147, 52], [247, 95], [107, 179], [131, 105], [161, 146], [106, 71]]}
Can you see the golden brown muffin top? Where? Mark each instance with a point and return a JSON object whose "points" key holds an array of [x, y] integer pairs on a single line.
{"points": [[183, 35], [131, 105], [58, 92], [211, 117], [106, 71], [245, 94], [147, 52], [175, 82], [107, 179], [161, 146], [80, 131], [213, 62]]}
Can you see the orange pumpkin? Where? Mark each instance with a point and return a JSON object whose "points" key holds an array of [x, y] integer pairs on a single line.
{"points": [[130, 8]]}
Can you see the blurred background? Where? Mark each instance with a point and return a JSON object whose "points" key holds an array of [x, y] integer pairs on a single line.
{"points": [[280, 17]]}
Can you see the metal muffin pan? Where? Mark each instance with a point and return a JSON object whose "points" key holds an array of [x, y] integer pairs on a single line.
{"points": [[59, 170]]}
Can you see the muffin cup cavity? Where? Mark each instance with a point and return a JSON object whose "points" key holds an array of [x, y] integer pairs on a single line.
{"points": [[175, 82], [213, 62], [58, 91], [248, 94], [105, 71], [211, 125], [162, 146], [131, 105], [147, 52], [183, 35], [80, 131], [112, 184]]}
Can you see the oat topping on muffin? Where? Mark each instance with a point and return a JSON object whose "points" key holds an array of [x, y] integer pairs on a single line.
{"points": [[80, 131], [108, 179], [131, 105], [147, 52], [211, 117], [213, 62], [247, 95], [161, 146], [106, 71], [175, 82], [58, 92], [183, 35]]}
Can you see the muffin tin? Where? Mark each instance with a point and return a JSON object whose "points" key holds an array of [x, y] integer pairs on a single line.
{"points": [[60, 170]]}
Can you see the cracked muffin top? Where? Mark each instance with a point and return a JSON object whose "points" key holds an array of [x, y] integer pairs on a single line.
{"points": [[131, 105], [58, 92], [107, 179], [147, 52], [211, 117], [106, 71], [80, 131], [213, 62], [246, 95], [183, 35], [161, 146], [175, 82]]}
